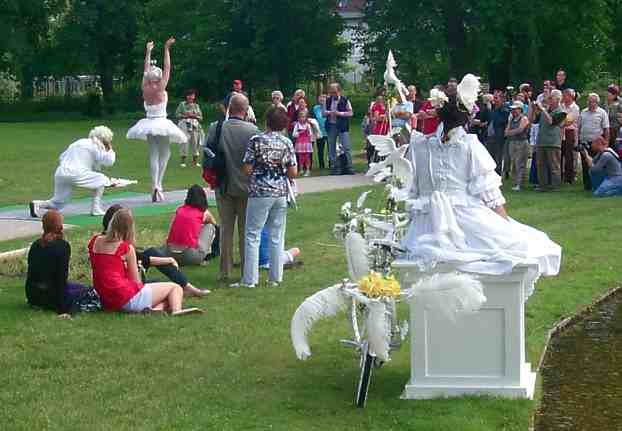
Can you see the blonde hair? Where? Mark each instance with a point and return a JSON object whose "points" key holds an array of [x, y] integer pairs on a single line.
{"points": [[153, 74], [101, 135], [121, 227]]}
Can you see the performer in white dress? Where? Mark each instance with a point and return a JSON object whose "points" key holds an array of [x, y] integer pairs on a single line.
{"points": [[156, 129], [78, 166], [458, 208]]}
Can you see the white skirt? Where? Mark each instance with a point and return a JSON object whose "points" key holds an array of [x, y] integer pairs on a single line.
{"points": [[160, 126]]}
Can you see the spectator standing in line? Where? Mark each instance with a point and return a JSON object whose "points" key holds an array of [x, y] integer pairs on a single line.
{"points": [[293, 106], [548, 150], [517, 134], [560, 80], [379, 116], [232, 194], [479, 125], [322, 140], [569, 136], [412, 98], [605, 169], [236, 87], [593, 123], [547, 86], [614, 107], [270, 162], [401, 115], [428, 117], [277, 100], [338, 112], [190, 116], [499, 120]]}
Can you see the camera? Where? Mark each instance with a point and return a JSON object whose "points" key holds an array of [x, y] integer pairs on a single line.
{"points": [[583, 146]]}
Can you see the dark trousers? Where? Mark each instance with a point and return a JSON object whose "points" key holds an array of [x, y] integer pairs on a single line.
{"points": [[496, 147], [321, 146], [169, 271], [569, 157], [587, 179], [549, 167]]}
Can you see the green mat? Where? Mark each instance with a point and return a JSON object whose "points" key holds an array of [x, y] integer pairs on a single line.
{"points": [[108, 198]]}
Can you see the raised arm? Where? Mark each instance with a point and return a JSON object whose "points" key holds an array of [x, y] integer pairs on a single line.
{"points": [[166, 73], [148, 50]]}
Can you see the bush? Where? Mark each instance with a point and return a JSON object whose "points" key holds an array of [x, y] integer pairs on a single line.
{"points": [[9, 87]]}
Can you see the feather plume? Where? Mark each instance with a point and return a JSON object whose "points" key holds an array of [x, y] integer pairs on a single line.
{"points": [[378, 330], [322, 304], [356, 253]]}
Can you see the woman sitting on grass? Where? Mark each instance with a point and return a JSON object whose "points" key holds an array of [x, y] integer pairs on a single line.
{"points": [[116, 277], [48, 268], [192, 231], [154, 257]]}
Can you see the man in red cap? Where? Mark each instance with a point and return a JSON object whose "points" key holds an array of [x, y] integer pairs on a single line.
{"points": [[614, 106]]}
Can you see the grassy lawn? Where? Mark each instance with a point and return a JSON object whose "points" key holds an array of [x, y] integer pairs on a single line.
{"points": [[233, 368], [30, 155]]}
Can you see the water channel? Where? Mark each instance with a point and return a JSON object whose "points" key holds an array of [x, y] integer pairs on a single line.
{"points": [[582, 373]]}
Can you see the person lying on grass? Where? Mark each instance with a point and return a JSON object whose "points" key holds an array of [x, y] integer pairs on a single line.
{"points": [[48, 268], [116, 277], [168, 266]]}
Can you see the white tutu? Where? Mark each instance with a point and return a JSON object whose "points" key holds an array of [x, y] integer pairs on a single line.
{"points": [[156, 124]]}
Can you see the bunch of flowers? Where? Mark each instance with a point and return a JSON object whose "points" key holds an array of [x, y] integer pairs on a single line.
{"points": [[375, 285]]}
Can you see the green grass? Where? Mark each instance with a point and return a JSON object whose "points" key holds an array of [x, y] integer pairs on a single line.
{"points": [[30, 155], [233, 368]]}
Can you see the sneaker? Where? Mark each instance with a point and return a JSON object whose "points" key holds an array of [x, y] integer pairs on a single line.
{"points": [[197, 164], [516, 189], [240, 284], [307, 174], [274, 284], [183, 165], [265, 266], [97, 211]]}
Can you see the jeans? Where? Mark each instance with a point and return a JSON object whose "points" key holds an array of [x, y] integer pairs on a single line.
{"points": [[344, 140], [608, 186], [496, 147], [271, 213]]}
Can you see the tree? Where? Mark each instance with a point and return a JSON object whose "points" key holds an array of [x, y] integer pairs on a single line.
{"points": [[98, 36], [503, 41], [264, 42]]}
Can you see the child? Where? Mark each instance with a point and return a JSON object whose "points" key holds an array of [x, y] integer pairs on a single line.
{"points": [[303, 141]]}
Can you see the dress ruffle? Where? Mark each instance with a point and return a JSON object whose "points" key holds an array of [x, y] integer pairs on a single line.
{"points": [[157, 127]]}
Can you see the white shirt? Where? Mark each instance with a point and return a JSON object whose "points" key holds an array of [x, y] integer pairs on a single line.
{"points": [[593, 124], [85, 155]]}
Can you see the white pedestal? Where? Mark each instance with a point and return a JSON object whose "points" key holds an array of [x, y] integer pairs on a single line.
{"points": [[480, 353]]}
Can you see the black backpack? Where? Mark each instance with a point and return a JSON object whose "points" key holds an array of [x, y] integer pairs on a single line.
{"points": [[214, 157]]}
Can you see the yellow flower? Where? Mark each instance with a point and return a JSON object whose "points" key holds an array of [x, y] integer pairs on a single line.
{"points": [[374, 285]]}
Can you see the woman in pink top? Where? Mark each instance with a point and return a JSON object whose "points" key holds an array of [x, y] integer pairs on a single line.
{"points": [[192, 231], [116, 277]]}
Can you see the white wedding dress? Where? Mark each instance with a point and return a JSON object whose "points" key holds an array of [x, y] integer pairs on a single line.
{"points": [[156, 124], [454, 190]]}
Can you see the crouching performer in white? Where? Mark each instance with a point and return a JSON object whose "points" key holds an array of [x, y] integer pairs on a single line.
{"points": [[78, 166], [156, 129], [457, 207]]}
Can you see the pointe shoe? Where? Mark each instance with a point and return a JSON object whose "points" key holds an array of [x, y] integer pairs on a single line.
{"points": [[160, 195], [97, 211]]}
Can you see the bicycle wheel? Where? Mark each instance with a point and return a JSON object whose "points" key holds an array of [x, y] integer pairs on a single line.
{"points": [[367, 362]]}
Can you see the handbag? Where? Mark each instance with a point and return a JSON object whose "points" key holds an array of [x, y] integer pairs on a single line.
{"points": [[214, 166]]}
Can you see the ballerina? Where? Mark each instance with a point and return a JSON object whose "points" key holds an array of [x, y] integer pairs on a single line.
{"points": [[156, 129]]}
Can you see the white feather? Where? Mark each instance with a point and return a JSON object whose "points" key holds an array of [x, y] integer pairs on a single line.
{"points": [[361, 200], [325, 303], [451, 294], [385, 145], [356, 253], [438, 98], [468, 89], [378, 330]]}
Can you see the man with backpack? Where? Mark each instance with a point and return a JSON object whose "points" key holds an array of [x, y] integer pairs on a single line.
{"points": [[605, 169], [226, 144]]}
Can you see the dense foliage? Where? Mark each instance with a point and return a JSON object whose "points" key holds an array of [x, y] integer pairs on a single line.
{"points": [[504, 41]]}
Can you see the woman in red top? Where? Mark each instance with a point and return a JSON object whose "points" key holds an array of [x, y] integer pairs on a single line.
{"points": [[379, 117], [193, 230], [116, 277]]}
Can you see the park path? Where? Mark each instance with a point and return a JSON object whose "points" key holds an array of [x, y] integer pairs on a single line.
{"points": [[15, 222]]}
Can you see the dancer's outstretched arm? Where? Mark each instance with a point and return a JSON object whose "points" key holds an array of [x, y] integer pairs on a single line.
{"points": [[166, 73], [148, 50]]}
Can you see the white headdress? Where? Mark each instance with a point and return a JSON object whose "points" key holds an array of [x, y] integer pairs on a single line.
{"points": [[468, 89], [101, 134], [154, 73]]}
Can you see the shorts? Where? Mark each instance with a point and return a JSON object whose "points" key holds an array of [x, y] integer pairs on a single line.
{"points": [[139, 302]]}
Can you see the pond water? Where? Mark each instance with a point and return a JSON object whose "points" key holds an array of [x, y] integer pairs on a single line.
{"points": [[582, 373]]}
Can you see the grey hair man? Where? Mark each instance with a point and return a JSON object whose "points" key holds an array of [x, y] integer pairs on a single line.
{"points": [[548, 150], [593, 123], [232, 193]]}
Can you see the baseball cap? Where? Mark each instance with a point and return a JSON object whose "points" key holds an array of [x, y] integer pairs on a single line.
{"points": [[613, 89], [517, 104]]}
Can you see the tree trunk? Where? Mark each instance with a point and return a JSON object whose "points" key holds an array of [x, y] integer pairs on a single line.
{"points": [[454, 17]]}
